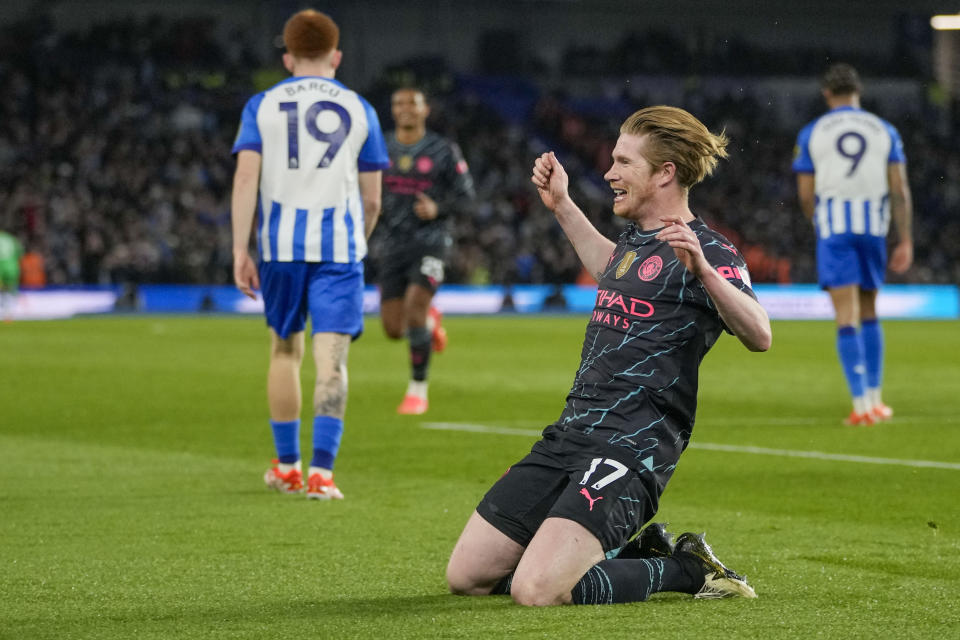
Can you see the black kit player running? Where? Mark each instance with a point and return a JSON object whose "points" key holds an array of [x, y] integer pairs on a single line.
{"points": [[410, 249], [630, 412]]}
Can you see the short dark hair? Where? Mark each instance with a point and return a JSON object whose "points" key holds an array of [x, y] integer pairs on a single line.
{"points": [[410, 87], [841, 79]]}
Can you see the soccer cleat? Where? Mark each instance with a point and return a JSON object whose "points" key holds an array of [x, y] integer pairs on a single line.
{"points": [[881, 412], [655, 541], [860, 419], [320, 488], [289, 482], [438, 337], [719, 581], [652, 542], [412, 406]]}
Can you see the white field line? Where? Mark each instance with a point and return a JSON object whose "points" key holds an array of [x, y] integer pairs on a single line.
{"points": [[710, 446]]}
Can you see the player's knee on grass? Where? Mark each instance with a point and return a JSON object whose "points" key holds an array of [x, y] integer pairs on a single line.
{"points": [[537, 592], [461, 583]]}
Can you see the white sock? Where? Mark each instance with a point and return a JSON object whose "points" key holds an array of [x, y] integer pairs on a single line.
{"points": [[287, 468], [417, 388], [873, 396], [325, 473], [861, 405]]}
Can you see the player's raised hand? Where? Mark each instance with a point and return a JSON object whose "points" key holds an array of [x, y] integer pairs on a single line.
{"points": [[684, 242], [551, 180], [902, 257], [425, 207], [245, 274]]}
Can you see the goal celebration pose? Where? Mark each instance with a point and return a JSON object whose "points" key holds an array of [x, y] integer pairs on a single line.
{"points": [[559, 526]]}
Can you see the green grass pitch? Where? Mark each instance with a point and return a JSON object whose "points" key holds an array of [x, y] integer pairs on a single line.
{"points": [[132, 505]]}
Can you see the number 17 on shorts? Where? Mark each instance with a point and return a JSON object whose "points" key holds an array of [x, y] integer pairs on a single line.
{"points": [[619, 470]]}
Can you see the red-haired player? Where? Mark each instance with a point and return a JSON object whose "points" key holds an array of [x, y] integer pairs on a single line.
{"points": [[309, 158]]}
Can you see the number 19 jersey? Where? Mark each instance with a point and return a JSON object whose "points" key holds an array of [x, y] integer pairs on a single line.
{"points": [[848, 150], [314, 135]]}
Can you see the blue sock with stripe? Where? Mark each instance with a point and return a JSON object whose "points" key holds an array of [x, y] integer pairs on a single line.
{"points": [[286, 437], [850, 350], [327, 432], [633, 580], [872, 334]]}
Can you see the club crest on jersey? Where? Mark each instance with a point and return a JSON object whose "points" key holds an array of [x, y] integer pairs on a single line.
{"points": [[625, 263], [424, 164], [650, 268], [404, 163]]}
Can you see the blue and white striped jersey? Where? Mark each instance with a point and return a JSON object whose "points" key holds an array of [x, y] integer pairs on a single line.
{"points": [[314, 135], [848, 150]]}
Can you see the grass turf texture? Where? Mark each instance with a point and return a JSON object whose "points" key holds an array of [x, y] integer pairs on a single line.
{"points": [[132, 501]]}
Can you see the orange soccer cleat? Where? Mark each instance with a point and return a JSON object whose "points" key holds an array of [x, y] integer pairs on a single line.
{"points": [[438, 334], [320, 488], [412, 406], [881, 412], [289, 482], [860, 419]]}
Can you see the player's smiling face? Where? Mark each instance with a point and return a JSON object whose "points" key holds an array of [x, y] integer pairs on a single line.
{"points": [[409, 109], [631, 177]]}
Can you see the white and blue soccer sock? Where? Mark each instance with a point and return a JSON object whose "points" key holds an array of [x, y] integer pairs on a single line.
{"points": [[327, 432], [872, 334], [286, 437], [850, 350]]}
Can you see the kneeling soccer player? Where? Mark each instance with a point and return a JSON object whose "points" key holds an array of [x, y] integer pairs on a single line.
{"points": [[559, 526]]}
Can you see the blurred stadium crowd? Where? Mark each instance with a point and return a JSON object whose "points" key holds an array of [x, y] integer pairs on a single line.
{"points": [[115, 160]]}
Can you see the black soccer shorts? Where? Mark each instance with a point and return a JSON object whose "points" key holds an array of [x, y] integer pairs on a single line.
{"points": [[423, 266], [571, 475]]}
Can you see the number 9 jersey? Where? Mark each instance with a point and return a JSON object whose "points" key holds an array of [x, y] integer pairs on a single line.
{"points": [[314, 135], [848, 150]]}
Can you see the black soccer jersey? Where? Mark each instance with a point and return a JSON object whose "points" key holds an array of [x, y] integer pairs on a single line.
{"points": [[651, 326], [433, 166]]}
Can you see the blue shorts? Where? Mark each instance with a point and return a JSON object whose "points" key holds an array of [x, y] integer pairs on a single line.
{"points": [[331, 291], [851, 259]]}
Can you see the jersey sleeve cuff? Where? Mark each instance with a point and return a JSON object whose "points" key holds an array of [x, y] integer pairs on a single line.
{"points": [[247, 146], [372, 166]]}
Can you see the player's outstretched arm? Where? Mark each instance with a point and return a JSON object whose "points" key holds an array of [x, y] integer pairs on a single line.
{"points": [[742, 314], [552, 184], [243, 204]]}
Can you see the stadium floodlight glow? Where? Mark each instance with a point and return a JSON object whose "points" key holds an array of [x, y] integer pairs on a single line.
{"points": [[945, 22]]}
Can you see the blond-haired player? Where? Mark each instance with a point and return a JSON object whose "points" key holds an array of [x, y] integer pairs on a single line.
{"points": [[557, 527]]}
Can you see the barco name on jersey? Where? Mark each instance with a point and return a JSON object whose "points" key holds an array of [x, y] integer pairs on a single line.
{"points": [[301, 87]]}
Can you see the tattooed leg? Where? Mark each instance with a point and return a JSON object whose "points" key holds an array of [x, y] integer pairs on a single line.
{"points": [[330, 397]]}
